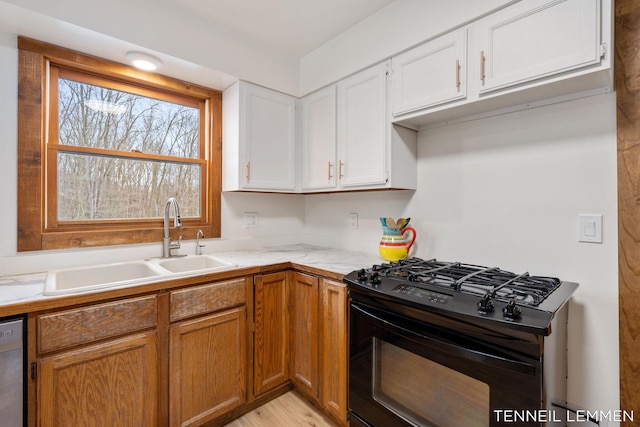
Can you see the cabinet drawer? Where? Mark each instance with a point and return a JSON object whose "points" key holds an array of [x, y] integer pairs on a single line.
{"points": [[207, 298], [83, 325]]}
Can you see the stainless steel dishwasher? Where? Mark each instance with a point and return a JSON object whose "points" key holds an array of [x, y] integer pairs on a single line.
{"points": [[12, 400]]}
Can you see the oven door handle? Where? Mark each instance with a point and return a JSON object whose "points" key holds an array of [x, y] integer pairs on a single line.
{"points": [[449, 348]]}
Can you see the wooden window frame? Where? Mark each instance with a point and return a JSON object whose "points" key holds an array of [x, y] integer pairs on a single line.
{"points": [[36, 231]]}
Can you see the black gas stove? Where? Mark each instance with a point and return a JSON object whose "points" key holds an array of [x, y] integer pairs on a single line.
{"points": [[448, 344], [517, 301]]}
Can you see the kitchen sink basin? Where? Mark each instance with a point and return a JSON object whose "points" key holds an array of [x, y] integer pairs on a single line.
{"points": [[82, 279], [194, 263], [100, 276]]}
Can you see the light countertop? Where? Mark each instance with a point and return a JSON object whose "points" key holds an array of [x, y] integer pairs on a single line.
{"points": [[23, 289], [328, 259]]}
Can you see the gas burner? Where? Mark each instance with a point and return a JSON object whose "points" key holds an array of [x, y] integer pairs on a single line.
{"points": [[493, 282]]}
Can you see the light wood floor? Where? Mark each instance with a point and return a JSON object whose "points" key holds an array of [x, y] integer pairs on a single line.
{"points": [[288, 410]]}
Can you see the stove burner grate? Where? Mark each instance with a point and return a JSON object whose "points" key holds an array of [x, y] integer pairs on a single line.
{"points": [[499, 284]]}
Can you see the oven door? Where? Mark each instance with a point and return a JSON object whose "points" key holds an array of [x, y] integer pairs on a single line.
{"points": [[404, 372]]}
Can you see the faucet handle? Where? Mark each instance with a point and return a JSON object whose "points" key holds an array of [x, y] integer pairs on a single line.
{"points": [[176, 245], [199, 246]]}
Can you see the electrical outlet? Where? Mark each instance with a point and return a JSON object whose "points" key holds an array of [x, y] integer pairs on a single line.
{"points": [[251, 220], [353, 220]]}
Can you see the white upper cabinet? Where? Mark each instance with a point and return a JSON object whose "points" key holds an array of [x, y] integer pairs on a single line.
{"points": [[318, 140], [259, 139], [372, 153], [345, 136], [348, 141], [529, 53], [431, 74], [360, 134], [537, 38], [362, 120]]}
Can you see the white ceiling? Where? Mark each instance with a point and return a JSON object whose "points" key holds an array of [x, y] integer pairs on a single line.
{"points": [[289, 28], [207, 42], [293, 27]]}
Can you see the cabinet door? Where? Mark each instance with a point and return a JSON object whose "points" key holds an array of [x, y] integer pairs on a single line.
{"points": [[318, 136], [536, 39], [109, 384], [334, 349], [267, 126], [362, 126], [271, 331], [207, 367], [430, 74], [304, 326]]}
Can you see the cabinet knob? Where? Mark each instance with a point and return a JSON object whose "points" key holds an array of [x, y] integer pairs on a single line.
{"points": [[329, 171], [248, 171], [340, 168]]}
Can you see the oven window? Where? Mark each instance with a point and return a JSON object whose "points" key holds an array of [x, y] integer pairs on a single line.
{"points": [[425, 393]]}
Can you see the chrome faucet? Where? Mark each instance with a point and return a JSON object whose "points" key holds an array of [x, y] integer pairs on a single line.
{"points": [[199, 247], [167, 244]]}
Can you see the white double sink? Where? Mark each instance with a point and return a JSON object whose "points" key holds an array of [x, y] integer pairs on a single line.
{"points": [[82, 279]]}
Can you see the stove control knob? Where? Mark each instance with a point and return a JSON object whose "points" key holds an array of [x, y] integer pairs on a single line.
{"points": [[485, 305], [511, 310], [375, 278], [362, 275]]}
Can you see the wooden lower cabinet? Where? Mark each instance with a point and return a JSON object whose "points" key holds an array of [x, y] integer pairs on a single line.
{"points": [[188, 357], [207, 367], [96, 365], [305, 328], [319, 342], [107, 384], [175, 358], [271, 331], [333, 347], [207, 351]]}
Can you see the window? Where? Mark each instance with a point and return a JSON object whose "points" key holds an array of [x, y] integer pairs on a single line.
{"points": [[102, 146]]}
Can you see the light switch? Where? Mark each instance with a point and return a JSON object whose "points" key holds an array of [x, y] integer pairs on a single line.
{"points": [[590, 228]]}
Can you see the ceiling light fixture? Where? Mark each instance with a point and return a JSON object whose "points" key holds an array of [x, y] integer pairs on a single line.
{"points": [[143, 61]]}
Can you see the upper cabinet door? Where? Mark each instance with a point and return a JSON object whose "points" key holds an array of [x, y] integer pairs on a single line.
{"points": [[318, 137], [258, 139], [535, 39], [269, 138], [362, 125], [430, 74]]}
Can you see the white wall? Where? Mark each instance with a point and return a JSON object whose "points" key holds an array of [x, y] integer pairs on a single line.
{"points": [[506, 191]]}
